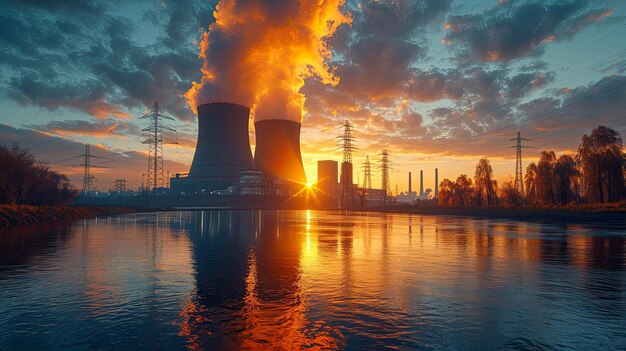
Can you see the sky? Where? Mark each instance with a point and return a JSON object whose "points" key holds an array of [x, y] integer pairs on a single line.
{"points": [[437, 83]]}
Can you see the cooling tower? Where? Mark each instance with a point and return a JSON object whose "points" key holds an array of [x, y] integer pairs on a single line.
{"points": [[278, 149], [223, 147]]}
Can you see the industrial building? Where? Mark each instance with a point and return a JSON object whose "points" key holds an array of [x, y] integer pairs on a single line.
{"points": [[223, 162], [277, 150]]}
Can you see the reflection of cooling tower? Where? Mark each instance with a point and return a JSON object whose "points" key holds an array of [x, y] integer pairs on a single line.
{"points": [[223, 147], [278, 149]]}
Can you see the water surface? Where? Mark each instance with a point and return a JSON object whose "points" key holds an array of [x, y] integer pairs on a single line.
{"points": [[265, 280]]}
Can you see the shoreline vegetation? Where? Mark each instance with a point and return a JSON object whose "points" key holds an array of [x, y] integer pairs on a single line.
{"points": [[610, 214], [11, 215]]}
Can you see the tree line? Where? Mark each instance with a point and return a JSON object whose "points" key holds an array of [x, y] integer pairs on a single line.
{"points": [[25, 181], [595, 174]]}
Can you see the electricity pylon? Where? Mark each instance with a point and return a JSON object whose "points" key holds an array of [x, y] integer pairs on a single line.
{"points": [[155, 140], [346, 143], [119, 185], [367, 173], [519, 177], [384, 168], [87, 165]]}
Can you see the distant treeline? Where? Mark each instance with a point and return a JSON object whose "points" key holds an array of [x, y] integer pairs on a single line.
{"points": [[594, 175], [25, 181]]}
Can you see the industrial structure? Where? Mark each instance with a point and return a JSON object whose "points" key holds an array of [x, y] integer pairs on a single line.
{"points": [[436, 183], [119, 185], [222, 150], [88, 178], [367, 173], [155, 140], [346, 144], [519, 177], [384, 169], [277, 150]]}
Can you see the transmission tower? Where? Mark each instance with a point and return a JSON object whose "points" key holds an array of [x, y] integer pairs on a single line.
{"points": [[119, 185], [155, 140], [519, 177], [87, 165], [367, 173], [346, 143], [384, 167]]}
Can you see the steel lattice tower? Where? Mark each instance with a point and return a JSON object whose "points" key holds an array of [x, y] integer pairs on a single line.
{"points": [[119, 185], [346, 144], [87, 177], [367, 173], [519, 177], [87, 166], [384, 167], [155, 140]]}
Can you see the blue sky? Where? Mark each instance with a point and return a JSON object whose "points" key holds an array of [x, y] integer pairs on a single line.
{"points": [[439, 83]]}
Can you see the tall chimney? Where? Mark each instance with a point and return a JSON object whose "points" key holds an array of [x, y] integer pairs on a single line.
{"points": [[410, 188], [436, 183], [421, 183]]}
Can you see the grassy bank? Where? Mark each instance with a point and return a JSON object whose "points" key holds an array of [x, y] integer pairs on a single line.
{"points": [[614, 213], [13, 215]]}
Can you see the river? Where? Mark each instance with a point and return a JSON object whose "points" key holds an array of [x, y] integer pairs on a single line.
{"points": [[320, 280]]}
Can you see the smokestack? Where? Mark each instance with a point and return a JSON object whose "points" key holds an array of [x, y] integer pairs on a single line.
{"points": [[436, 183], [278, 149], [223, 146], [410, 188], [421, 183]]}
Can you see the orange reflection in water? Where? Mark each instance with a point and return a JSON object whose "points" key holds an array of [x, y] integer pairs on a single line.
{"points": [[311, 276]]}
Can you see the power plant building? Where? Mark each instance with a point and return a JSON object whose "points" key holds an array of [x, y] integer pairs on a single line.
{"points": [[222, 149], [277, 150], [328, 177]]}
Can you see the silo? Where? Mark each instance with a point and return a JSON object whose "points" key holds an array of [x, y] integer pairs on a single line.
{"points": [[277, 149], [223, 146]]}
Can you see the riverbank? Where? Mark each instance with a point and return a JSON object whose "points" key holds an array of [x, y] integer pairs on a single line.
{"points": [[13, 215], [612, 214]]}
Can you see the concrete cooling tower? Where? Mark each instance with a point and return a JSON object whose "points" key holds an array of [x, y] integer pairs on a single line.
{"points": [[223, 147], [278, 149]]}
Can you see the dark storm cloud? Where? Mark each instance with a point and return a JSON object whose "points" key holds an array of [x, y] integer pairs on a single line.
{"points": [[82, 56], [515, 29], [386, 39], [601, 102], [381, 61]]}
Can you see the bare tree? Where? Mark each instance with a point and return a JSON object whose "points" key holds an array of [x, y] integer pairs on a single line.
{"points": [[24, 181]]}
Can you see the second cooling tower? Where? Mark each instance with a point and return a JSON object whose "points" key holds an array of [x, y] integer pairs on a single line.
{"points": [[278, 149], [223, 147]]}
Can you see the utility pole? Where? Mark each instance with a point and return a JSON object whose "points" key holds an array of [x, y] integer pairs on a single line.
{"points": [[519, 177], [346, 143], [155, 140]]}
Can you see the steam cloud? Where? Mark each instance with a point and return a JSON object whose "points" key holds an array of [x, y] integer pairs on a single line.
{"points": [[258, 53]]}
